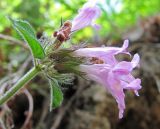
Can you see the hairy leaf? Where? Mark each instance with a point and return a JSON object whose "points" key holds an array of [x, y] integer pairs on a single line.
{"points": [[56, 95], [28, 34]]}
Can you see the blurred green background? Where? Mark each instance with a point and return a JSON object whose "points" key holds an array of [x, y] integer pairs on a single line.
{"points": [[45, 15]]}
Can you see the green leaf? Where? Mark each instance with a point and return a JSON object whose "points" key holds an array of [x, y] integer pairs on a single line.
{"points": [[56, 95], [26, 26], [28, 34]]}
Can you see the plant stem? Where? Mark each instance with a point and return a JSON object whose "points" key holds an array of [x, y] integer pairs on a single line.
{"points": [[13, 90]]}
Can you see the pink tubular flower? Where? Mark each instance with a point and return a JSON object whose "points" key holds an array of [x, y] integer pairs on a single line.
{"points": [[105, 53], [86, 16], [113, 75]]}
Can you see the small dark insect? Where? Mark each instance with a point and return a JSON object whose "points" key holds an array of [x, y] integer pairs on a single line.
{"points": [[63, 34]]}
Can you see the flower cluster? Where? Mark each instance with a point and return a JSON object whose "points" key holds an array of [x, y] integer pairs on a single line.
{"points": [[105, 69], [99, 63]]}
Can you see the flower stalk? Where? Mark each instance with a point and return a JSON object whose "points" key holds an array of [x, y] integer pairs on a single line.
{"points": [[21, 83]]}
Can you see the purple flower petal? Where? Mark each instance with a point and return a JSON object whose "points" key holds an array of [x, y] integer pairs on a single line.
{"points": [[123, 68], [101, 52], [86, 16], [135, 60], [134, 85], [113, 75], [117, 92]]}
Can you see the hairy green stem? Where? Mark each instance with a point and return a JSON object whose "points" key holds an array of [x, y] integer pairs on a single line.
{"points": [[15, 88]]}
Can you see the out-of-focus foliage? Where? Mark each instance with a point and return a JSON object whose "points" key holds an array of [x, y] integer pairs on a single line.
{"points": [[45, 15], [121, 14]]}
